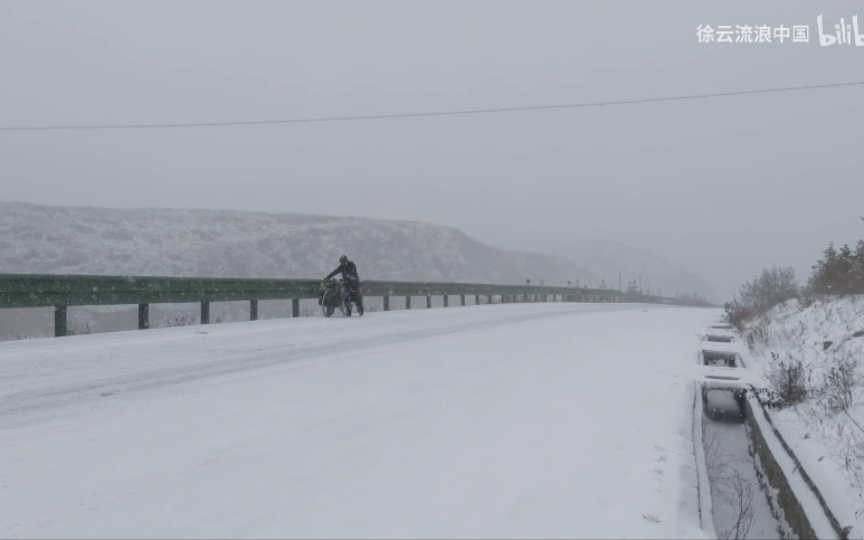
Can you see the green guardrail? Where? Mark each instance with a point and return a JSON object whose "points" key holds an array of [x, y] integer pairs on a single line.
{"points": [[62, 291]]}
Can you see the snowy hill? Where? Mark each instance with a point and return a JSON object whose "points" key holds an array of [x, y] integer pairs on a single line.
{"points": [[47, 239], [606, 259]]}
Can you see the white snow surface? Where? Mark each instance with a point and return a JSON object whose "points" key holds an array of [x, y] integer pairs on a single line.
{"points": [[531, 420]]}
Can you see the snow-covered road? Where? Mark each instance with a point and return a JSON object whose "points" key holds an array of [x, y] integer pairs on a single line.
{"points": [[528, 420]]}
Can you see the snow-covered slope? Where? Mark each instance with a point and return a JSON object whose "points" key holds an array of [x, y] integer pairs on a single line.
{"points": [[827, 337], [606, 259], [509, 421], [46, 239]]}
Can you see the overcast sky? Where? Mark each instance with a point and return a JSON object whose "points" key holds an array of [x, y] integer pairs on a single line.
{"points": [[722, 187]]}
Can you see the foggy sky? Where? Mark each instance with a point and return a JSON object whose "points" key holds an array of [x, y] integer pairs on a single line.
{"points": [[722, 187]]}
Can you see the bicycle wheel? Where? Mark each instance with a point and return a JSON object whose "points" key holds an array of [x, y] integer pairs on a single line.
{"points": [[328, 304]]}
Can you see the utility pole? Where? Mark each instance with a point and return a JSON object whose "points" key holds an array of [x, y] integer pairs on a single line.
{"points": [[640, 283], [619, 281]]}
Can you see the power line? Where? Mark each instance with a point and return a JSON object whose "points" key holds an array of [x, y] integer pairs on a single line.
{"points": [[425, 114]]}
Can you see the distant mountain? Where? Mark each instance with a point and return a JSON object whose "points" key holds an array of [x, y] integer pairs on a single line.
{"points": [[67, 240], [607, 259]]}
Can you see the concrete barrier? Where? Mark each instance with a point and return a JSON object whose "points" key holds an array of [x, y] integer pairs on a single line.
{"points": [[713, 358]]}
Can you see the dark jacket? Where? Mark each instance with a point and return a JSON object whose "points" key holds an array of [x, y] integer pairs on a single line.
{"points": [[349, 272]]}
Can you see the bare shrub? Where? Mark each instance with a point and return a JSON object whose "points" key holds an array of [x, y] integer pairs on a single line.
{"points": [[179, 321], [829, 416], [757, 333], [75, 331], [716, 464], [845, 439], [731, 486], [790, 382], [739, 495], [842, 382], [770, 288]]}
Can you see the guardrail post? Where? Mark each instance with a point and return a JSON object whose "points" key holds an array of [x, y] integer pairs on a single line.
{"points": [[143, 316], [428, 302], [386, 303], [463, 299], [295, 307], [205, 312], [59, 321], [445, 300], [253, 310], [407, 302]]}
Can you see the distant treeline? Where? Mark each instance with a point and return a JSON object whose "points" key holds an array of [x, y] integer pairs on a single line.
{"points": [[840, 272]]}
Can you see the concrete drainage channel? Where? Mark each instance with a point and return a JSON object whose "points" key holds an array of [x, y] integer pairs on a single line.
{"points": [[750, 484]]}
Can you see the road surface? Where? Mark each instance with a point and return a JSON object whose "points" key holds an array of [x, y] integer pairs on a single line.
{"points": [[528, 420]]}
